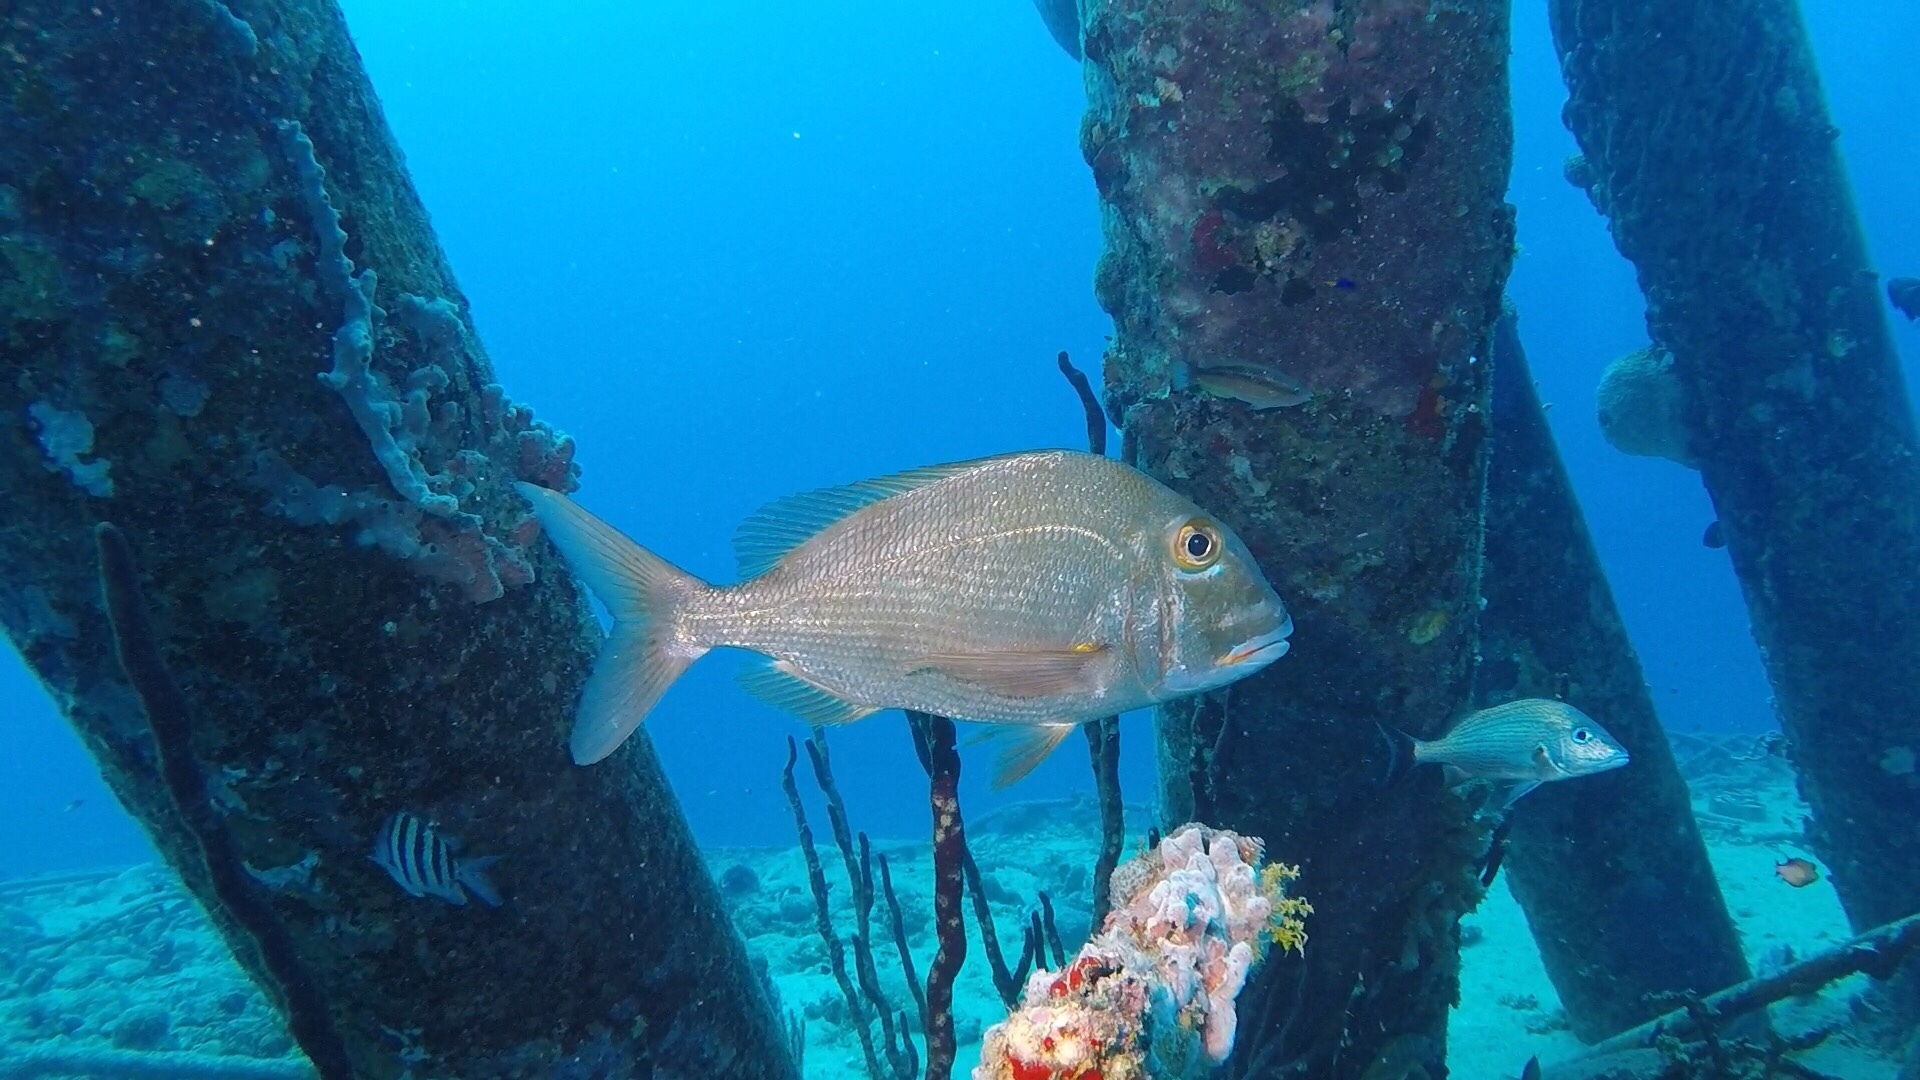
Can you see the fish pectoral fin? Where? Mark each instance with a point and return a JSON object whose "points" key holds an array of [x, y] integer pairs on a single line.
{"points": [[1023, 673], [779, 685], [1025, 747], [1546, 768]]}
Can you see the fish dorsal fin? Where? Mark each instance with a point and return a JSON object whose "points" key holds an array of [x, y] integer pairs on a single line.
{"points": [[791, 520], [779, 686], [1023, 673], [1023, 748]]}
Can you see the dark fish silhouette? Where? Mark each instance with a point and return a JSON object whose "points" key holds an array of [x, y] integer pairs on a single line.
{"points": [[1715, 536], [1496, 851], [1063, 22], [1904, 294]]}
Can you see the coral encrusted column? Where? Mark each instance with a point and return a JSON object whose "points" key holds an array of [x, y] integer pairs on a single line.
{"points": [[230, 332], [1709, 148], [1610, 869], [1312, 195]]}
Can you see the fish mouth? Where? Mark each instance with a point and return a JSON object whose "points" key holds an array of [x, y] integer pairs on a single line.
{"points": [[1260, 651]]}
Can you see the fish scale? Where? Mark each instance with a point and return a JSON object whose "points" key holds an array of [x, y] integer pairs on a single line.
{"points": [[1037, 588]]}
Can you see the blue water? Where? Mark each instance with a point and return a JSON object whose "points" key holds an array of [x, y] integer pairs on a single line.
{"points": [[741, 250]]}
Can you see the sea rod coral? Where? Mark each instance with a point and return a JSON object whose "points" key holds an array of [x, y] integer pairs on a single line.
{"points": [[1152, 994]]}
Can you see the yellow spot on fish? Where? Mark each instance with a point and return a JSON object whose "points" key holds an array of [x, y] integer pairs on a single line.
{"points": [[1427, 627], [1087, 647]]}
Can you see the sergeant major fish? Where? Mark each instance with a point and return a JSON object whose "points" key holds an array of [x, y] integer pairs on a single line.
{"points": [[1038, 589], [1530, 742], [420, 860]]}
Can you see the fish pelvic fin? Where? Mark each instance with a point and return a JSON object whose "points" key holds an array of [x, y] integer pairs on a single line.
{"points": [[472, 874], [644, 593], [1403, 753], [1024, 748], [1025, 673], [779, 685]]}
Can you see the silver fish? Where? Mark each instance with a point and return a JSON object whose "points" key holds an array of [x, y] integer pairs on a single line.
{"points": [[1528, 742], [1258, 386], [422, 861], [1039, 589]]}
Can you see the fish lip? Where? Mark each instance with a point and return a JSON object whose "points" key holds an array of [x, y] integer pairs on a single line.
{"points": [[1261, 651]]}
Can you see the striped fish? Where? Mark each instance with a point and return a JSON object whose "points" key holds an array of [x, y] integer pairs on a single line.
{"points": [[420, 860], [1527, 742]]}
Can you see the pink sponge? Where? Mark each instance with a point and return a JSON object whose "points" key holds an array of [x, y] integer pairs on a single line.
{"points": [[1152, 994]]}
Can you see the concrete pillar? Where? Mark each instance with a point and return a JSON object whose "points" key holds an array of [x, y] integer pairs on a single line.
{"points": [[1304, 205], [1610, 869], [311, 470], [1708, 146]]}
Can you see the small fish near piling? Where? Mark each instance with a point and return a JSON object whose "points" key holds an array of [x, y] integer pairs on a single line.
{"points": [[421, 860], [1257, 385], [1037, 590], [1797, 872], [1528, 742]]}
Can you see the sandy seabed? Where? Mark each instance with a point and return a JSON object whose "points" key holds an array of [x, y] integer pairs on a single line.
{"points": [[119, 968]]}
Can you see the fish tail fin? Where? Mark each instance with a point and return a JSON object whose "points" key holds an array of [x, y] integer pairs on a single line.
{"points": [[1403, 753], [473, 875], [645, 595]]}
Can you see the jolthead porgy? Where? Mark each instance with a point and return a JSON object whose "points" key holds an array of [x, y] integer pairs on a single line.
{"points": [[1039, 589]]}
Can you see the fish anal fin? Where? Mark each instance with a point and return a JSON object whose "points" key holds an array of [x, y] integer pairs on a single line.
{"points": [[774, 530], [1023, 673], [779, 685], [1024, 747], [1519, 792]]}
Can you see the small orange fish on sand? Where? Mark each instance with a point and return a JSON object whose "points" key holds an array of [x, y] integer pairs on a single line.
{"points": [[1797, 872]]}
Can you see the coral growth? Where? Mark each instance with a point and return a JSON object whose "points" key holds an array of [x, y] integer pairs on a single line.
{"points": [[1152, 994], [1642, 407], [65, 436], [1313, 187], [425, 450]]}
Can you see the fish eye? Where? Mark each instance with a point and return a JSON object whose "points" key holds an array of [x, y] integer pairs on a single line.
{"points": [[1581, 735], [1197, 545]]}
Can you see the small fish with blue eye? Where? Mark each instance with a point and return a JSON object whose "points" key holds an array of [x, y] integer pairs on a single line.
{"points": [[1528, 742], [421, 860]]}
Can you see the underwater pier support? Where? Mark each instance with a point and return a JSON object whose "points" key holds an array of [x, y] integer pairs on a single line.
{"points": [[1708, 146], [230, 331], [1611, 870], [1312, 198]]}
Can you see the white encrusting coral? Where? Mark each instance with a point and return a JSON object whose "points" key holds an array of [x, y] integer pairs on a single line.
{"points": [[1152, 994]]}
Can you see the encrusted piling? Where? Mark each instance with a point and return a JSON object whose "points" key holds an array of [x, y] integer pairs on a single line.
{"points": [[229, 331], [1311, 196], [1708, 146], [1610, 869]]}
